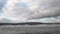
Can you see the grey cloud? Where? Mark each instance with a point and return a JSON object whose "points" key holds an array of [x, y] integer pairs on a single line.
{"points": [[46, 20], [49, 8], [4, 20]]}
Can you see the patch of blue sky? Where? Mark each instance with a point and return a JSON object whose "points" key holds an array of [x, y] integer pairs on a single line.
{"points": [[2, 4], [25, 5]]}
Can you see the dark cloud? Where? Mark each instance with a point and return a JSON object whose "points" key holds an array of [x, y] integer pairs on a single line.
{"points": [[47, 8]]}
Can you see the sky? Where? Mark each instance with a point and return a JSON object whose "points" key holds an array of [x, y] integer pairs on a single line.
{"points": [[30, 10]]}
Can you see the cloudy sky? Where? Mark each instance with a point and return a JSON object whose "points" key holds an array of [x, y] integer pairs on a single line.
{"points": [[30, 10]]}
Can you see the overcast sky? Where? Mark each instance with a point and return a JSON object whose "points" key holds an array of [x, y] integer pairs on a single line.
{"points": [[32, 10]]}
